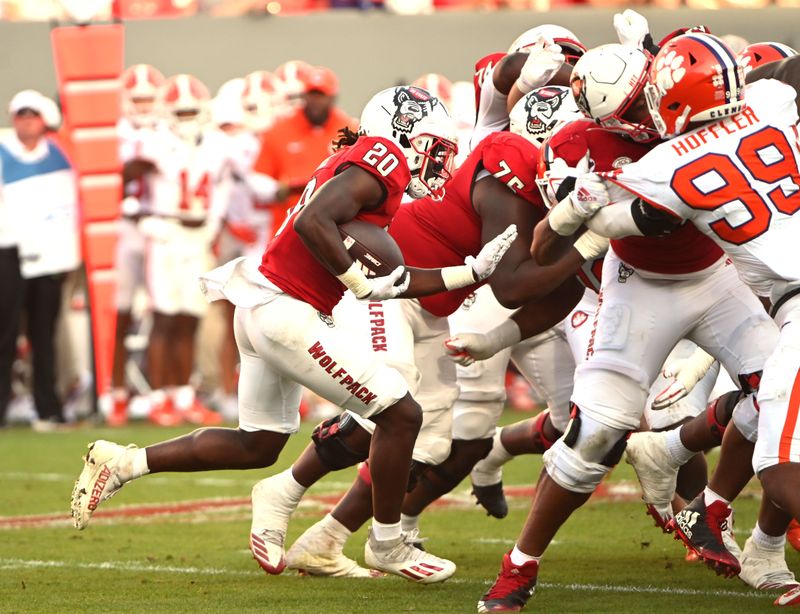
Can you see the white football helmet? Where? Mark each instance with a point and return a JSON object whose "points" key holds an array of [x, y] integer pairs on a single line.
{"points": [[140, 88], [571, 47], [608, 84], [293, 79], [264, 99], [185, 100], [421, 126], [537, 113]]}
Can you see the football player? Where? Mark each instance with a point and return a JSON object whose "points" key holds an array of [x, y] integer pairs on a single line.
{"points": [[746, 204], [139, 131], [496, 185], [287, 338], [680, 284]]}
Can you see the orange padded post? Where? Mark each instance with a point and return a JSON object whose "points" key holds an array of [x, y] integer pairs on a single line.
{"points": [[88, 62]]}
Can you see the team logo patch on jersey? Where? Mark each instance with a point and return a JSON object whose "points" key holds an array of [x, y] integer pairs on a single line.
{"points": [[578, 318], [541, 108], [469, 301], [621, 161], [412, 104], [624, 272], [327, 319]]}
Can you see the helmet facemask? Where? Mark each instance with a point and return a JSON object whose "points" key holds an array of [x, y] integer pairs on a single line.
{"points": [[431, 165]]}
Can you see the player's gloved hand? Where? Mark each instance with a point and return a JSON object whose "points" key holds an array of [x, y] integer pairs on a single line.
{"points": [[587, 197], [376, 288], [466, 348], [492, 253], [544, 60], [683, 376], [477, 268], [631, 28]]}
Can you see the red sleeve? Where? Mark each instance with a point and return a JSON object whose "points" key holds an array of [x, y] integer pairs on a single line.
{"points": [[482, 66], [381, 158], [513, 160]]}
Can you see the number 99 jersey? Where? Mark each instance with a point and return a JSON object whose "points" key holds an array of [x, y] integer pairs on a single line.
{"points": [[737, 179], [289, 264]]}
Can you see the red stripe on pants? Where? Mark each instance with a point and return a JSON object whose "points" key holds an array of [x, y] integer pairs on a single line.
{"points": [[787, 435]]}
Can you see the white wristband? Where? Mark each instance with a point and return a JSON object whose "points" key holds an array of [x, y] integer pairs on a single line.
{"points": [[356, 281], [590, 245], [523, 86], [563, 218], [458, 276]]}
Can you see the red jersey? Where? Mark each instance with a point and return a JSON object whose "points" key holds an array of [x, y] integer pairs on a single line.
{"points": [[684, 250], [289, 264], [438, 234], [483, 67]]}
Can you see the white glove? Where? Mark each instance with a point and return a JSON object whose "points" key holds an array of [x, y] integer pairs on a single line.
{"points": [[683, 375], [466, 348], [631, 27], [376, 288], [478, 268], [587, 197], [544, 60], [559, 171], [492, 253]]}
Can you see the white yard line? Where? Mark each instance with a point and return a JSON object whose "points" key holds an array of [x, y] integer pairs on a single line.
{"points": [[18, 564]]}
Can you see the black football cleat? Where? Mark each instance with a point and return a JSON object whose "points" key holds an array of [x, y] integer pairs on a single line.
{"points": [[700, 527], [492, 499]]}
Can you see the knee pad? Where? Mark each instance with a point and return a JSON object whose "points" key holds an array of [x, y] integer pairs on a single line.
{"points": [[745, 417], [587, 451], [475, 419], [329, 441], [720, 411]]}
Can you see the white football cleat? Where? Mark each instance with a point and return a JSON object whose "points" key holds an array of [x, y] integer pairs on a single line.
{"points": [[647, 454], [317, 553], [765, 569], [401, 558], [271, 512], [99, 480]]}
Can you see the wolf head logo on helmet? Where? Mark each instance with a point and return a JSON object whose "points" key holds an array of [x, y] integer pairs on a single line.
{"points": [[412, 105], [537, 114], [421, 126]]}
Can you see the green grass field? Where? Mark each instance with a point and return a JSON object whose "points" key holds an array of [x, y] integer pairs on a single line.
{"points": [[607, 558]]}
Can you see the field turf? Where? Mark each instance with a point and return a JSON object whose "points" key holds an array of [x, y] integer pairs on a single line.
{"points": [[607, 558]]}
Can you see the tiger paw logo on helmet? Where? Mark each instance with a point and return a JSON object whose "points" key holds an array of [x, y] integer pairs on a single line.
{"points": [[669, 70], [413, 104]]}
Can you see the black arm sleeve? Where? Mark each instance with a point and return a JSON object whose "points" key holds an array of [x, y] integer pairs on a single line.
{"points": [[652, 221]]}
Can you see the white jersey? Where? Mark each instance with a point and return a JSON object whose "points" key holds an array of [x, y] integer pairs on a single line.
{"points": [[737, 180], [193, 181]]}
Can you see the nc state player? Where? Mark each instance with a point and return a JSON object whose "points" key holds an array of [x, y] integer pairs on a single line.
{"points": [[654, 292], [751, 215], [287, 338], [495, 186]]}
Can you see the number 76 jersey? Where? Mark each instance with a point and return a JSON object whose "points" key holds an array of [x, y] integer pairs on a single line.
{"points": [[737, 179]]}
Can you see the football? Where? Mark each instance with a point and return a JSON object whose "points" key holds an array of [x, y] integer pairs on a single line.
{"points": [[372, 247]]}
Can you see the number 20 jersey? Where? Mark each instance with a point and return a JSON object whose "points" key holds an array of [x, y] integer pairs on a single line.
{"points": [[737, 179], [290, 265]]}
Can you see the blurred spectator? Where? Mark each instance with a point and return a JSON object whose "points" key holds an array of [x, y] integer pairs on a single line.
{"points": [[735, 42], [38, 245], [293, 148]]}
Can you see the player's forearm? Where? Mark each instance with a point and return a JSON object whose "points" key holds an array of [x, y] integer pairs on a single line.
{"points": [[615, 222], [548, 246], [531, 281], [537, 316], [321, 235]]}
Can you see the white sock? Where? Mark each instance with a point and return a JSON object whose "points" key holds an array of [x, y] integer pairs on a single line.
{"points": [[385, 532], [157, 397], [709, 496], [293, 488], [337, 532], [769, 542], [678, 452], [133, 465], [519, 558], [409, 523], [488, 471]]}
